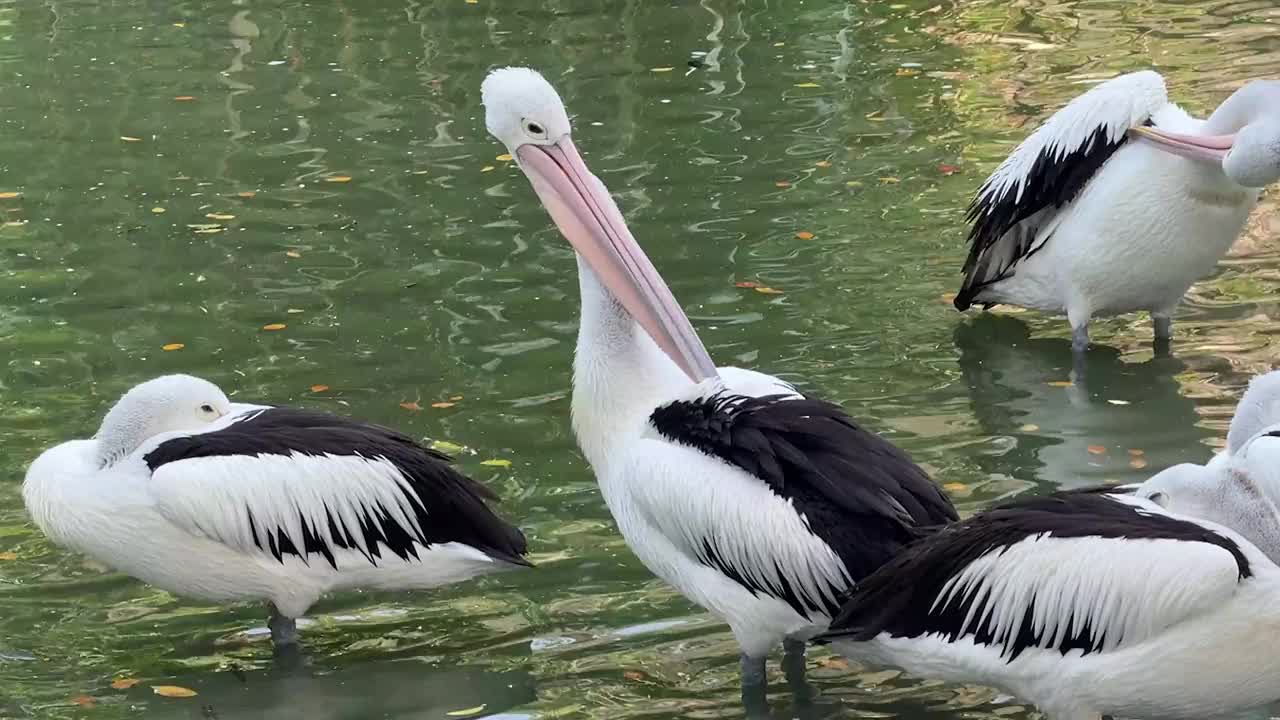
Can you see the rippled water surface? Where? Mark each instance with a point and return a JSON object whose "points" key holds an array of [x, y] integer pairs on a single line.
{"points": [[190, 172]]}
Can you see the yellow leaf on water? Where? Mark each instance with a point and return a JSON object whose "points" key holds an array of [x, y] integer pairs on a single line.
{"points": [[184, 98], [823, 164], [955, 487], [783, 183], [1060, 383], [179, 25], [804, 235], [8, 555], [504, 157], [473, 2], [9, 195], [1029, 427], [123, 683], [853, 183], [411, 405], [319, 388], [172, 346], [890, 180], [1097, 450], [274, 326], [246, 193], [158, 210], [1135, 452], [487, 168], [220, 216], [130, 138], [442, 405], [479, 708], [768, 291], [496, 462], [445, 446], [295, 311], [808, 85], [779, 44], [293, 253], [338, 178], [173, 691], [661, 69], [906, 72], [209, 231], [455, 398]]}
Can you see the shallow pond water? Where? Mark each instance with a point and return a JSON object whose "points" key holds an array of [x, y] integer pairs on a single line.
{"points": [[190, 172]]}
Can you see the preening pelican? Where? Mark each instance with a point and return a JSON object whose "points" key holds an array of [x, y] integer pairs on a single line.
{"points": [[1087, 604], [756, 503], [1083, 220], [226, 502]]}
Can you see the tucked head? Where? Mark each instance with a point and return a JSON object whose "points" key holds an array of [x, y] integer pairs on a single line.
{"points": [[1242, 136], [525, 113], [166, 404], [1228, 495]]}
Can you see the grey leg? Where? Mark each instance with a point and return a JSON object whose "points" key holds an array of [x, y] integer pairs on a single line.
{"points": [[793, 667], [1162, 327], [755, 687], [1080, 338], [284, 631]]}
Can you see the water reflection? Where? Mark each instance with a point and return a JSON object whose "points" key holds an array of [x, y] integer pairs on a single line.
{"points": [[1122, 421]]}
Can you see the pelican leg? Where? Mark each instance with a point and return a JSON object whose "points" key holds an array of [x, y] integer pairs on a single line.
{"points": [[284, 630], [793, 667], [1162, 329], [1080, 339], [755, 686]]}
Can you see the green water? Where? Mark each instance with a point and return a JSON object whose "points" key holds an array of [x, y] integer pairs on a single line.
{"points": [[432, 274]]}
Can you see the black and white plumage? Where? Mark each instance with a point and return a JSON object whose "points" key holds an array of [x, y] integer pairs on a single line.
{"points": [[1075, 219], [1084, 603], [756, 503], [235, 502]]}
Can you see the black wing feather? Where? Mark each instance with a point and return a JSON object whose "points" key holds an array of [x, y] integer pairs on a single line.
{"points": [[450, 507]]}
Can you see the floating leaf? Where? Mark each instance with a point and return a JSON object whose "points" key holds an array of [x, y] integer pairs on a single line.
{"points": [[293, 253], [783, 184], [1029, 427], [246, 193], [173, 691], [1138, 463], [633, 675], [496, 462], [84, 701], [124, 683], [834, 662], [179, 25], [747, 284], [9, 195], [1060, 383], [487, 168], [172, 346], [473, 2], [442, 405], [208, 231], [319, 388], [808, 85], [955, 487], [504, 157], [906, 72], [890, 180], [185, 98], [1135, 452], [455, 398], [411, 405], [479, 708], [220, 216], [158, 210], [804, 235], [7, 555], [338, 178], [853, 183], [661, 69], [129, 138], [946, 169], [767, 290], [823, 164], [295, 311], [1119, 402], [445, 446], [274, 326], [1097, 450]]}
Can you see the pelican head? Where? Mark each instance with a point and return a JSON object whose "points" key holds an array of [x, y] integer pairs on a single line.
{"points": [[1242, 136], [166, 404], [525, 113]]}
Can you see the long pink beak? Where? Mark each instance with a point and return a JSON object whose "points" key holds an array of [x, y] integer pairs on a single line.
{"points": [[1210, 148], [588, 218]]}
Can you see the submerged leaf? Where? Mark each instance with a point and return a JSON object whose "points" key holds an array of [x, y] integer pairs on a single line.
{"points": [[1097, 450], [124, 683], [411, 405], [496, 462], [768, 291]]}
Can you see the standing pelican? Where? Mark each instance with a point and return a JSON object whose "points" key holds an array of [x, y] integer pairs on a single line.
{"points": [[756, 503], [1081, 220], [226, 502], [1091, 604]]}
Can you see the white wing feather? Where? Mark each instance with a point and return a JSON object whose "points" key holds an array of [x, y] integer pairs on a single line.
{"points": [[1124, 590]]}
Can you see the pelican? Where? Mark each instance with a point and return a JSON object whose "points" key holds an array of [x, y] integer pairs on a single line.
{"points": [[1082, 220], [1088, 603], [227, 502], [756, 503]]}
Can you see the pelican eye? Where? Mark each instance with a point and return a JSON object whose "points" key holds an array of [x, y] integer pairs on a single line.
{"points": [[206, 408], [534, 128]]}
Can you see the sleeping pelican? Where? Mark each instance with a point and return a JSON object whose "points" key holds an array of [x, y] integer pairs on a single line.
{"points": [[1089, 604], [1082, 220], [226, 502], [756, 503]]}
